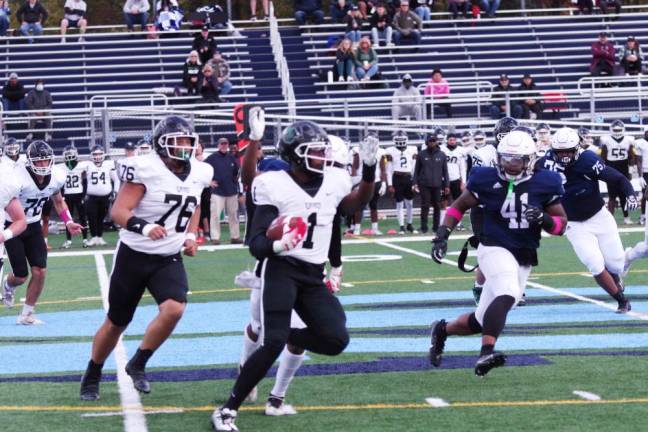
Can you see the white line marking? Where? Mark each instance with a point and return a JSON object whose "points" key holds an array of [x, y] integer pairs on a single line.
{"points": [[427, 281], [437, 402], [587, 395], [134, 420], [121, 413]]}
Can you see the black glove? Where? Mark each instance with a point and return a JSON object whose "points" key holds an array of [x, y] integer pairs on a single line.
{"points": [[533, 215], [440, 244]]}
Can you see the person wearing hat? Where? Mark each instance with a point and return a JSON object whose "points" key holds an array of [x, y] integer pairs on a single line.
{"points": [[530, 100], [353, 22], [407, 25], [406, 101], [431, 180], [603, 56], [631, 59], [136, 12], [13, 94], [498, 101], [204, 44]]}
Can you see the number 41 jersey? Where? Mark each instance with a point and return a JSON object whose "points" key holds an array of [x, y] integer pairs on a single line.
{"points": [[504, 223], [278, 189], [168, 201], [33, 196]]}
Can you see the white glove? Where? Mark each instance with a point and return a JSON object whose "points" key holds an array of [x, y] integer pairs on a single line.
{"points": [[631, 203], [256, 123], [369, 150], [334, 279], [642, 183], [383, 189], [292, 236]]}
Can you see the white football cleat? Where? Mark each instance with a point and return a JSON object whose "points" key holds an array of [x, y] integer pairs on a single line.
{"points": [[100, 241], [247, 279], [28, 319], [627, 221], [86, 243], [223, 420], [626, 262], [276, 407], [67, 244], [8, 293], [91, 242]]}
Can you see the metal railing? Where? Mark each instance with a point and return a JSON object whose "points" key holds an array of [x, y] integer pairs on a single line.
{"points": [[483, 93], [614, 88], [282, 66]]}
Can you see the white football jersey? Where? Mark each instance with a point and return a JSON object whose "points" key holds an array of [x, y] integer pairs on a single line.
{"points": [[32, 196], [168, 201], [380, 154], [278, 189], [456, 162], [74, 178], [9, 189], [10, 163], [617, 150], [100, 178], [402, 161], [641, 148], [485, 156]]}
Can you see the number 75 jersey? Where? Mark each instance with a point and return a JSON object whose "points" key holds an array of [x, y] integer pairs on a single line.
{"points": [[504, 222], [169, 200]]}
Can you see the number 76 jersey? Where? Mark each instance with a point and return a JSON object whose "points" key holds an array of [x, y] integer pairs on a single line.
{"points": [[504, 222], [169, 200]]}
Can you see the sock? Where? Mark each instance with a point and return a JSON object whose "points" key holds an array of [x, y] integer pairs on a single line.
{"points": [[94, 369], [374, 226], [27, 309], [495, 315], [140, 358], [249, 346], [442, 216], [288, 365], [408, 207], [619, 296], [46, 240], [486, 349], [399, 213]]}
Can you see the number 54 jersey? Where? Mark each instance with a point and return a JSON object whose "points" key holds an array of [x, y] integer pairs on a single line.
{"points": [[278, 189], [33, 196], [169, 200], [504, 222]]}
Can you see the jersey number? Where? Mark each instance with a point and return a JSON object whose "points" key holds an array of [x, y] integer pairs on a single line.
{"points": [[127, 173], [185, 212], [312, 221], [620, 153], [512, 210], [35, 205], [403, 161], [95, 177], [72, 182]]}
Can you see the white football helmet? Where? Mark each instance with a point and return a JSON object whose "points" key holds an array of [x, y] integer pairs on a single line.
{"points": [[479, 137], [617, 129], [516, 156], [339, 151], [565, 144]]}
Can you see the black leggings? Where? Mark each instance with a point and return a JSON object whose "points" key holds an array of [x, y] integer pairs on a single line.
{"points": [[97, 209]]}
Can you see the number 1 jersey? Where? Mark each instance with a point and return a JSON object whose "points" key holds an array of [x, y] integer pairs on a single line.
{"points": [[168, 201]]}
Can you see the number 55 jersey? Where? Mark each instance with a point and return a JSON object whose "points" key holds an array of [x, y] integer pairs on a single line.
{"points": [[169, 200]]}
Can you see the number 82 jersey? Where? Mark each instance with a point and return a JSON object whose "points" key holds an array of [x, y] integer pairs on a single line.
{"points": [[169, 200]]}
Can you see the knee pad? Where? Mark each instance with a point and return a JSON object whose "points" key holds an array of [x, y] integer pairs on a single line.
{"points": [[255, 310], [336, 341]]}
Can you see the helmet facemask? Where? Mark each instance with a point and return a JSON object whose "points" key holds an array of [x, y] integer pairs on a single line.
{"points": [[39, 168], [513, 167], [174, 147], [315, 151]]}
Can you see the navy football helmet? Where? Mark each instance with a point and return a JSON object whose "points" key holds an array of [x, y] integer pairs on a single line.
{"points": [[586, 138], [305, 141], [502, 127], [39, 151]]}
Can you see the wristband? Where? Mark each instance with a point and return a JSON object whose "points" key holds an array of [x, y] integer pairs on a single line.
{"points": [[557, 226], [66, 217], [148, 228], [7, 234], [137, 225], [277, 246], [454, 213], [190, 236], [369, 173]]}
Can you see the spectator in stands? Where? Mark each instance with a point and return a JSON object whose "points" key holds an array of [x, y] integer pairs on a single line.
{"points": [[407, 24], [406, 101], [353, 23], [31, 16], [424, 9], [344, 60], [224, 192], [439, 89], [209, 85], [366, 60], [204, 44], [603, 56], [39, 100], [498, 101], [585, 6], [191, 74], [222, 73], [136, 12], [169, 15], [305, 9], [605, 5], [13, 94], [253, 12], [74, 16], [339, 10], [490, 7], [381, 27], [4, 17], [458, 6], [631, 59], [530, 100]]}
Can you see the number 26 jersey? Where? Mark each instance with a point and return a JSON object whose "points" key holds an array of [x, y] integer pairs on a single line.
{"points": [[169, 201]]}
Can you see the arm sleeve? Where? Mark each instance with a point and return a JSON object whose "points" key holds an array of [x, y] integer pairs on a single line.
{"points": [[611, 176], [335, 248], [260, 245]]}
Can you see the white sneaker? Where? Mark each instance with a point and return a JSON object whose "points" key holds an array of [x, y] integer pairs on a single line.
{"points": [[86, 243], [276, 407], [390, 44], [341, 79], [627, 221], [100, 241], [247, 279], [223, 420], [349, 78], [28, 319], [91, 242], [8, 293], [67, 244], [626, 262]]}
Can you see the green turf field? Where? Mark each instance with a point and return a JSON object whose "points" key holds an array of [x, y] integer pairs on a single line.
{"points": [[561, 342]]}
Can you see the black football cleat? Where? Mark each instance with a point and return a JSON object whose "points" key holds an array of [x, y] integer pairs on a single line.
{"points": [[140, 382], [522, 301], [624, 306], [437, 342], [488, 362], [90, 387]]}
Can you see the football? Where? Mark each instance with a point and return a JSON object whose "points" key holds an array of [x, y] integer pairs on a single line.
{"points": [[276, 229]]}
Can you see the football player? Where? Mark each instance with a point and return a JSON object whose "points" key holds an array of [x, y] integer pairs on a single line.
{"points": [[518, 203], [401, 158], [591, 229], [641, 150], [101, 177], [379, 189], [11, 151], [143, 147], [543, 138], [158, 206], [617, 150], [74, 192], [39, 180], [587, 140], [293, 266]]}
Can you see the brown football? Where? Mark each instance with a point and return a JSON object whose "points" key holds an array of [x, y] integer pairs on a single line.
{"points": [[276, 229]]}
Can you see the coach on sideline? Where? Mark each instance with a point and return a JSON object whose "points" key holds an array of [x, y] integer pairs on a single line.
{"points": [[431, 180]]}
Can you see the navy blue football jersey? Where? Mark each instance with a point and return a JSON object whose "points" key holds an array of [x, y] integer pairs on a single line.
{"points": [[582, 198], [504, 223]]}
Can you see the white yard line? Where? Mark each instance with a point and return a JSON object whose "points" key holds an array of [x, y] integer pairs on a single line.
{"points": [[437, 402], [121, 413], [587, 395], [134, 420]]}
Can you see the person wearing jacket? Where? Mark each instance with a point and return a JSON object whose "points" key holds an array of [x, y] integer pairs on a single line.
{"points": [[31, 16], [308, 9], [407, 25], [339, 10], [381, 26], [13, 94], [437, 89], [222, 73], [603, 56], [209, 85], [204, 44], [406, 100], [498, 101], [366, 60], [191, 74], [353, 23], [39, 100], [431, 180], [136, 12], [5, 11], [344, 63], [631, 59], [530, 99]]}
